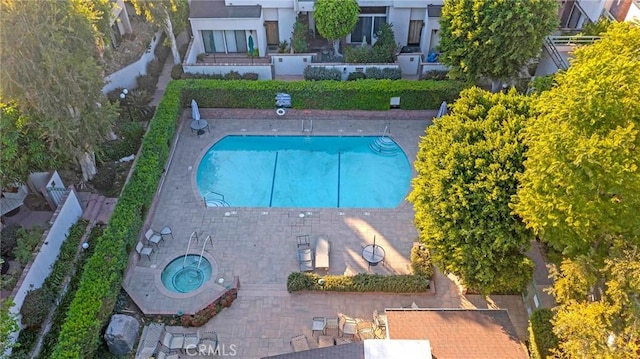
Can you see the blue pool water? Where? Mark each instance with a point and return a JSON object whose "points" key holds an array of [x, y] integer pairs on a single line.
{"points": [[184, 276], [304, 172]]}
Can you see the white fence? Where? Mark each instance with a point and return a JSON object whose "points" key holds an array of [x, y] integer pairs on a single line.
{"points": [[263, 70], [291, 64], [126, 77], [35, 272]]}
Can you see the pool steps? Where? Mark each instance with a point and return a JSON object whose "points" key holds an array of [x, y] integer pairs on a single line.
{"points": [[384, 146]]}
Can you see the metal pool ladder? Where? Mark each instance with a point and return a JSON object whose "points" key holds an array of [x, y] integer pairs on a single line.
{"points": [[306, 128], [193, 235], [204, 245]]}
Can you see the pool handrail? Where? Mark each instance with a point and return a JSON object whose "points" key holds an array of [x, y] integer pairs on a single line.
{"points": [[204, 245], [184, 261]]}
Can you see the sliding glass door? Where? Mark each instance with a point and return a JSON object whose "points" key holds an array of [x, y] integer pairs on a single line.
{"points": [[224, 41]]}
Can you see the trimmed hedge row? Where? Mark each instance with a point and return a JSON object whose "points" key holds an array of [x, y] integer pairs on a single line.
{"points": [[104, 271], [541, 337], [361, 282], [322, 95]]}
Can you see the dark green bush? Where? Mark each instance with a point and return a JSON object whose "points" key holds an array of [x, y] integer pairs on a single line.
{"points": [[421, 261], [312, 73], [384, 50], [28, 240], [326, 95], [162, 51], [541, 337], [35, 307], [392, 73], [358, 283], [250, 76], [233, 75], [437, 75], [154, 68], [356, 76], [357, 55], [299, 42], [9, 240], [114, 95], [147, 83], [26, 340], [177, 72]]}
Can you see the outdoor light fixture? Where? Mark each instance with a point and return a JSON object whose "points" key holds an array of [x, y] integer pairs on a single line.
{"points": [[123, 97]]}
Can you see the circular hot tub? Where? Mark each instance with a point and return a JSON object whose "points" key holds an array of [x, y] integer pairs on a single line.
{"points": [[186, 273]]}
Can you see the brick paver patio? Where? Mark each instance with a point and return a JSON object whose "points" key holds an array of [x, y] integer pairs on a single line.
{"points": [[259, 246]]}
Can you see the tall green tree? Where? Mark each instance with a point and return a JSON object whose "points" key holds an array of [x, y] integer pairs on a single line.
{"points": [[580, 189], [335, 19], [22, 148], [467, 166], [8, 326], [494, 38], [49, 70], [169, 15]]}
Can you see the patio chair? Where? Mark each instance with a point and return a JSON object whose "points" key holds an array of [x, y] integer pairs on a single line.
{"points": [[209, 341], [299, 343], [365, 330], [303, 240], [349, 327], [153, 237], [380, 320], [143, 250], [166, 353], [318, 325], [332, 324], [173, 341], [191, 341]]}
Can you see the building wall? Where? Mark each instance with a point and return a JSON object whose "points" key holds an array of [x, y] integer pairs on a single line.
{"points": [[253, 27], [592, 8]]}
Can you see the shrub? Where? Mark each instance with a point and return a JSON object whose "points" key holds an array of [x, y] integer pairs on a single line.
{"points": [[312, 73], [392, 73], [250, 76], [436, 75], [283, 47], [373, 73], [541, 337], [9, 240], [177, 71], [358, 283], [146, 83], [114, 95], [104, 178], [299, 42], [35, 307], [28, 240], [154, 68], [384, 50], [162, 51], [358, 55], [356, 76], [233, 75], [421, 261]]}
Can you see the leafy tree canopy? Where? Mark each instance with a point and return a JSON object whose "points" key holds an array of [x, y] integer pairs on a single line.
{"points": [[335, 18], [494, 38], [170, 15], [581, 187], [467, 166], [50, 72]]}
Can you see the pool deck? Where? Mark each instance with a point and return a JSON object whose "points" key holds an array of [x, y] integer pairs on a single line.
{"points": [[258, 245]]}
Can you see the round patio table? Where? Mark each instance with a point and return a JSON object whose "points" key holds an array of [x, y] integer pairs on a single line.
{"points": [[373, 254]]}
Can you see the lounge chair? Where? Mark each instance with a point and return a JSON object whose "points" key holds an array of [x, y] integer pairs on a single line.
{"points": [[323, 248], [332, 324], [299, 343], [166, 353], [349, 326], [318, 325], [143, 250], [191, 341], [305, 256], [209, 342], [173, 341]]}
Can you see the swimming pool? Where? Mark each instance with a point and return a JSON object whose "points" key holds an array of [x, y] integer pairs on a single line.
{"points": [[304, 172]]}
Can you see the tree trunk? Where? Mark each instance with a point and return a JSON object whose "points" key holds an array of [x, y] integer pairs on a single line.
{"points": [[168, 29], [336, 48], [496, 85], [87, 161]]}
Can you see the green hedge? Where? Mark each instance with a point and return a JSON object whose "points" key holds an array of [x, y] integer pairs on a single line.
{"points": [[541, 336], [358, 283], [322, 95], [103, 273]]}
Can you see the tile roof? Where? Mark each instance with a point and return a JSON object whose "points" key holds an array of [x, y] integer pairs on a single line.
{"points": [[344, 351], [217, 9], [458, 333]]}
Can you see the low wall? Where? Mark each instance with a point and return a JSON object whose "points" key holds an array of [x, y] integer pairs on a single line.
{"points": [[39, 269], [291, 64], [432, 66], [410, 63], [126, 77], [263, 70], [346, 69]]}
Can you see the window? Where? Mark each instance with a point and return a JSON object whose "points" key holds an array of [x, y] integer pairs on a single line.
{"points": [[369, 23], [224, 41]]}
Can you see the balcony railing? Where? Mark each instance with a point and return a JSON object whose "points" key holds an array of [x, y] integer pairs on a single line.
{"points": [[552, 42]]}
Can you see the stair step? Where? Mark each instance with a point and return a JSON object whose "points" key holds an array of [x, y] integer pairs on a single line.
{"points": [[91, 203]]}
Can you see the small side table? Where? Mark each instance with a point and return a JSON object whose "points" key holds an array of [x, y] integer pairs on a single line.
{"points": [[199, 126], [166, 231]]}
